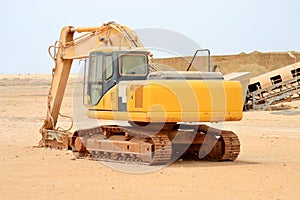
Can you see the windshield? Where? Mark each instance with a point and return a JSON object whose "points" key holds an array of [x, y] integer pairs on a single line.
{"points": [[133, 64]]}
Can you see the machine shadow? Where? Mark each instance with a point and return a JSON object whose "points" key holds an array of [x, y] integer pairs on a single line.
{"points": [[204, 163]]}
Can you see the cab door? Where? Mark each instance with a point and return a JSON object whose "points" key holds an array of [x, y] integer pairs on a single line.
{"points": [[100, 76], [95, 79]]}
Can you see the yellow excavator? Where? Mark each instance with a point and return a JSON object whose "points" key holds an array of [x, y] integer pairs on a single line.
{"points": [[167, 110]]}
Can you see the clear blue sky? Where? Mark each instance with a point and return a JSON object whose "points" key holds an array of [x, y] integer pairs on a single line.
{"points": [[224, 26]]}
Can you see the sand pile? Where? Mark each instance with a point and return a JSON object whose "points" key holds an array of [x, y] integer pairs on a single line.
{"points": [[254, 68]]}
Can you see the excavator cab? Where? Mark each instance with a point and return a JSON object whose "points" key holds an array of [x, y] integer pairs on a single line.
{"points": [[107, 67]]}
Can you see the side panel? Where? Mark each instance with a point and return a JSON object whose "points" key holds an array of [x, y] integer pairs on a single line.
{"points": [[180, 100], [122, 95], [184, 100]]}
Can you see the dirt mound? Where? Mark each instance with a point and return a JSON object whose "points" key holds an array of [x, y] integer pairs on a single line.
{"points": [[254, 68], [255, 62]]}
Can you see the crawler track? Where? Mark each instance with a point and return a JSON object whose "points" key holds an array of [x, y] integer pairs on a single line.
{"points": [[86, 144], [227, 146], [142, 146]]}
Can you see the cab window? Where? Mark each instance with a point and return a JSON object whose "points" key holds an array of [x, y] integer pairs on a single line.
{"points": [[95, 73], [95, 79], [135, 65], [108, 66]]}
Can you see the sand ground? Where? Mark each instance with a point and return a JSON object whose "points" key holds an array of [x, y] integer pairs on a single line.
{"points": [[267, 168]]}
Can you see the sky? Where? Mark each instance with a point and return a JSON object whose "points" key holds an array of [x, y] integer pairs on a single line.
{"points": [[225, 27]]}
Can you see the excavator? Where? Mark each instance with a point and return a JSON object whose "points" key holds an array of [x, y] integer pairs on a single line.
{"points": [[167, 111]]}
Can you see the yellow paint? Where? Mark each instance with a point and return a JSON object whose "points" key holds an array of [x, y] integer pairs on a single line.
{"points": [[110, 99], [175, 101]]}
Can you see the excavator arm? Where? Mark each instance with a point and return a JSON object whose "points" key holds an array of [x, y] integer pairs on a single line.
{"points": [[69, 48]]}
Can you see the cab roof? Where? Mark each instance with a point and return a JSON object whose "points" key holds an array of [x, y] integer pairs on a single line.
{"points": [[119, 49]]}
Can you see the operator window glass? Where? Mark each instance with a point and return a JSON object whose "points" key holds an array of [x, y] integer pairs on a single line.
{"points": [[99, 70], [92, 69], [96, 68], [108, 67], [133, 65], [95, 79]]}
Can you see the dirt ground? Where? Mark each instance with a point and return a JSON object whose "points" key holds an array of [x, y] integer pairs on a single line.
{"points": [[268, 166]]}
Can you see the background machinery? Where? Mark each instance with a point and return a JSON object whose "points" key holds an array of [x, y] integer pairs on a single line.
{"points": [[274, 87], [166, 110]]}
